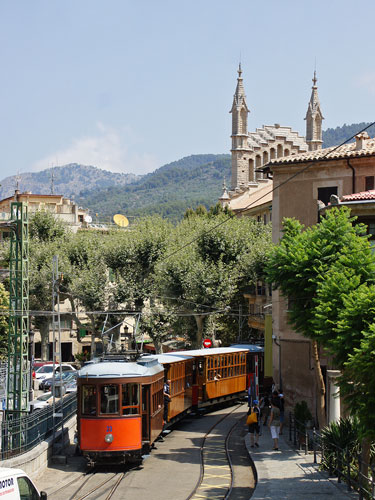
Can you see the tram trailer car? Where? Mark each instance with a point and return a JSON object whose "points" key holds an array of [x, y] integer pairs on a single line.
{"points": [[120, 409], [218, 374]]}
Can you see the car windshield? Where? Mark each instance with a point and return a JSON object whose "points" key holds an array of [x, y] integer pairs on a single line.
{"points": [[44, 397], [45, 369]]}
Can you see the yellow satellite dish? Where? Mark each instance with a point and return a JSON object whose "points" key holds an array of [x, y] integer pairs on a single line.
{"points": [[120, 220]]}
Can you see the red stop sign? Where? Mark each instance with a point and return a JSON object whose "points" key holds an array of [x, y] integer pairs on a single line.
{"points": [[207, 343]]}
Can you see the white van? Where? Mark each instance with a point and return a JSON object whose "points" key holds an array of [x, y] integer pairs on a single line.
{"points": [[15, 484]]}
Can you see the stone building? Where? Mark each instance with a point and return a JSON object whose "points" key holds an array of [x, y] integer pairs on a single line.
{"points": [[252, 150]]}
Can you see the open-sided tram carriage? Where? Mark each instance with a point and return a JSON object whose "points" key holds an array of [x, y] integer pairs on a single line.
{"points": [[121, 404]]}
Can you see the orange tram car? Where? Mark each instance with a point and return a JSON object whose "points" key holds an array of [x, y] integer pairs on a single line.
{"points": [[121, 403]]}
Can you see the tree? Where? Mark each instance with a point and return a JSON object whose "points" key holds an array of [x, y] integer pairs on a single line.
{"points": [[209, 264], [308, 266], [158, 325], [47, 238], [43, 226]]}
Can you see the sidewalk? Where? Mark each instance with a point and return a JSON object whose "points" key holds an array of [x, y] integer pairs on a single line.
{"points": [[290, 475]]}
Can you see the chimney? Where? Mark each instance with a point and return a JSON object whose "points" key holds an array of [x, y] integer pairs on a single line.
{"points": [[360, 140]]}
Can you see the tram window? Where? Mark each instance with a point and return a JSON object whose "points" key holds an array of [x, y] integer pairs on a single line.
{"points": [[89, 400], [109, 399], [130, 399]]}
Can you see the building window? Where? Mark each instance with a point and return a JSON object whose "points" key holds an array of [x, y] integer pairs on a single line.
{"points": [[324, 193], [265, 218], [371, 228], [369, 183]]}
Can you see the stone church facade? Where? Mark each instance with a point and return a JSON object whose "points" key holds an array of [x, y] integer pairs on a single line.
{"points": [[252, 150]]}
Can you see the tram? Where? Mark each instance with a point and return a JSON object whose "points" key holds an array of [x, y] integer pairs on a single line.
{"points": [[121, 404]]}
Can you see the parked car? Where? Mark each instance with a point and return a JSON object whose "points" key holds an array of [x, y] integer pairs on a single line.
{"points": [[42, 401], [46, 384], [71, 385], [46, 371]]}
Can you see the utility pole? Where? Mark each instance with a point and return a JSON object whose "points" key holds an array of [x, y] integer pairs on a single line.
{"points": [[18, 363], [56, 331]]}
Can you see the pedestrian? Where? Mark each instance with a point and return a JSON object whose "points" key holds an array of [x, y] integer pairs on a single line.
{"points": [[274, 423], [167, 399], [280, 398], [254, 425], [265, 407]]}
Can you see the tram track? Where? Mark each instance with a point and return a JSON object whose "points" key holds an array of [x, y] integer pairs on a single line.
{"points": [[79, 494], [216, 468]]}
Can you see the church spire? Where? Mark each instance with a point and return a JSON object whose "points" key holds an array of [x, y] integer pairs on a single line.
{"points": [[314, 118], [240, 147]]}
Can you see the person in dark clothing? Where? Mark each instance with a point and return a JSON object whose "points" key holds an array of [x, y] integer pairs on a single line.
{"points": [[167, 400], [265, 406]]}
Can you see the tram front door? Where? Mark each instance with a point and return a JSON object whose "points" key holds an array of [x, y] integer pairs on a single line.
{"points": [[146, 412]]}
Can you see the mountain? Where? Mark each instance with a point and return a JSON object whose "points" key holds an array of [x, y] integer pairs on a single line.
{"points": [[336, 136], [168, 191], [68, 180]]}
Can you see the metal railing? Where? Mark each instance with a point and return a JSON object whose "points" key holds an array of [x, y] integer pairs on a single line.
{"points": [[18, 437], [342, 463]]}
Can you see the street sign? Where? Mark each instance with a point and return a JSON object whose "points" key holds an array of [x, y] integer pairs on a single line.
{"points": [[207, 343]]}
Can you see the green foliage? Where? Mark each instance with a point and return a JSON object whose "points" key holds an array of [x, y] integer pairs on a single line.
{"points": [[302, 415], [158, 325], [340, 442], [300, 264], [329, 270], [335, 136], [217, 263], [356, 383], [43, 226]]}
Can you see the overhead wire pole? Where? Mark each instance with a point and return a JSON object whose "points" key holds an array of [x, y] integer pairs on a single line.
{"points": [[18, 363], [56, 331]]}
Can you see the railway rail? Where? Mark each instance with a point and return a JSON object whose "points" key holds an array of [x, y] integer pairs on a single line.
{"points": [[216, 468]]}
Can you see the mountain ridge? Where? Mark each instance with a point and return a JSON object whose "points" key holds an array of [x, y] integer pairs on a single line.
{"points": [[169, 190]]}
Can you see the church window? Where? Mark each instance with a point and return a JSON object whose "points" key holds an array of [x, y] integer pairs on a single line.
{"points": [[286, 152], [265, 157], [279, 151], [369, 183], [273, 153]]}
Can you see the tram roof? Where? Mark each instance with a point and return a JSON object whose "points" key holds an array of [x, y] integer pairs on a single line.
{"points": [[249, 347], [108, 369], [167, 358], [210, 351]]}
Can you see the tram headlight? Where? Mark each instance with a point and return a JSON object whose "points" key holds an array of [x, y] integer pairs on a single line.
{"points": [[108, 438]]}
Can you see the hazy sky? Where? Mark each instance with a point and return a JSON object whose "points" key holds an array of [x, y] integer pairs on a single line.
{"points": [[131, 85]]}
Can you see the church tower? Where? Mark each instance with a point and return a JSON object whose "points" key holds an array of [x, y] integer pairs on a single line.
{"points": [[240, 149], [314, 120]]}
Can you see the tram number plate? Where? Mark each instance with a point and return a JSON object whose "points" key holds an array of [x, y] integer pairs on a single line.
{"points": [[57, 415]]}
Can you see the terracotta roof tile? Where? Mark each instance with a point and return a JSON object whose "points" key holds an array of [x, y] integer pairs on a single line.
{"points": [[333, 153], [364, 195]]}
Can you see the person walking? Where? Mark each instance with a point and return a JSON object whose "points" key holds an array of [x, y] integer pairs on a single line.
{"points": [[265, 407], [274, 423], [254, 426], [279, 397]]}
